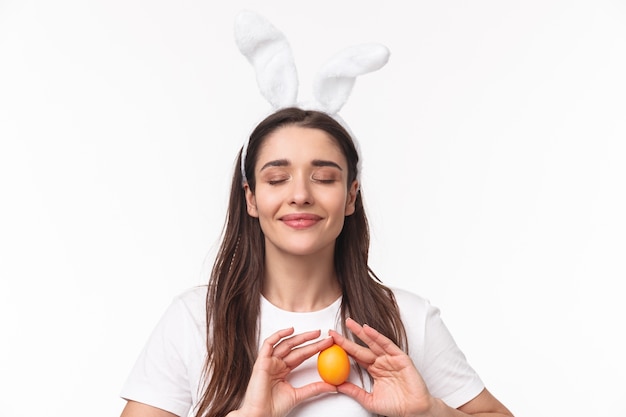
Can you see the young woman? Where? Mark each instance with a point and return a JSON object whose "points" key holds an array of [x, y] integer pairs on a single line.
{"points": [[293, 265]]}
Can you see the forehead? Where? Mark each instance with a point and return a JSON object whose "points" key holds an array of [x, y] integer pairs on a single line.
{"points": [[300, 144]]}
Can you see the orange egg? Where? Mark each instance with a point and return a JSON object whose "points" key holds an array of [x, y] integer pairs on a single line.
{"points": [[333, 365]]}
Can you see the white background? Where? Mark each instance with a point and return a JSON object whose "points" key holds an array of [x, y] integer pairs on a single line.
{"points": [[494, 157]]}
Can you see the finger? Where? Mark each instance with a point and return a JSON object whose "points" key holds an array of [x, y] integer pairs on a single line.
{"points": [[300, 354], [283, 347], [386, 344], [361, 354], [268, 344], [358, 331], [378, 343]]}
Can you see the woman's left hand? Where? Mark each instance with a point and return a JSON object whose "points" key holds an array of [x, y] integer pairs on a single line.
{"points": [[398, 388]]}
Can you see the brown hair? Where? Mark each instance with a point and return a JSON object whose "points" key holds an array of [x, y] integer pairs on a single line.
{"points": [[233, 297]]}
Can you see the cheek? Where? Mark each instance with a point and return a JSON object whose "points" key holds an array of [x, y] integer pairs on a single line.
{"points": [[268, 204], [336, 203]]}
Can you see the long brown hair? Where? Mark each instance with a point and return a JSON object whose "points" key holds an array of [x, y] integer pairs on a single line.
{"points": [[233, 297]]}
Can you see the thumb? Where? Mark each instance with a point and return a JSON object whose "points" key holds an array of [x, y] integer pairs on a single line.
{"points": [[313, 390], [353, 391]]}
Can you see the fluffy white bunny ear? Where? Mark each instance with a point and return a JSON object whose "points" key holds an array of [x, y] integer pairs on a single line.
{"points": [[267, 49], [336, 78]]}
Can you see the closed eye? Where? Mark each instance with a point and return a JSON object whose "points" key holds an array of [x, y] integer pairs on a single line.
{"points": [[326, 174], [324, 181]]}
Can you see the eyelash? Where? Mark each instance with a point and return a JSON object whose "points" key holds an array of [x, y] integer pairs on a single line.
{"points": [[330, 181], [321, 181]]}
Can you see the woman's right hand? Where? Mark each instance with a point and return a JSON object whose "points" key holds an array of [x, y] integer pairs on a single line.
{"points": [[269, 394]]}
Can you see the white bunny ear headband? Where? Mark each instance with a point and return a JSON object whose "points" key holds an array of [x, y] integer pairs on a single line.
{"points": [[267, 49]]}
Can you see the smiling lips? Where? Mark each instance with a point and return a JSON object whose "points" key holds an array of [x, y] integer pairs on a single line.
{"points": [[300, 220]]}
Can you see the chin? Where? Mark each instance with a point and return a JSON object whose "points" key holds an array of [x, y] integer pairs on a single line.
{"points": [[307, 250]]}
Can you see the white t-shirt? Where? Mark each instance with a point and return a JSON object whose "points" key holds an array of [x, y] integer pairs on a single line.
{"points": [[168, 372]]}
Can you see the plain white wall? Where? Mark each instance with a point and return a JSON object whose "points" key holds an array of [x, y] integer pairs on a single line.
{"points": [[494, 149]]}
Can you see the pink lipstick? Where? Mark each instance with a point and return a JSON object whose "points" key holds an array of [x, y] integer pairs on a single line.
{"points": [[300, 220]]}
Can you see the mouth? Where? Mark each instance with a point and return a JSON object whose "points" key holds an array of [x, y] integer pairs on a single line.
{"points": [[300, 220]]}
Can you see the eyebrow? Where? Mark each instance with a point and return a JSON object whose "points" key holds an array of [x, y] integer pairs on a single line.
{"points": [[315, 163]]}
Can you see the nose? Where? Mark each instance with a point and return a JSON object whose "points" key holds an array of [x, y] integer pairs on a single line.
{"points": [[301, 191]]}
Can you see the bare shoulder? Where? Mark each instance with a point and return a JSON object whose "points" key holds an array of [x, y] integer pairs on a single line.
{"points": [[136, 409]]}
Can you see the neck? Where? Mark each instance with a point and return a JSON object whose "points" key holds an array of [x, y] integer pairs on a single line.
{"points": [[300, 283]]}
